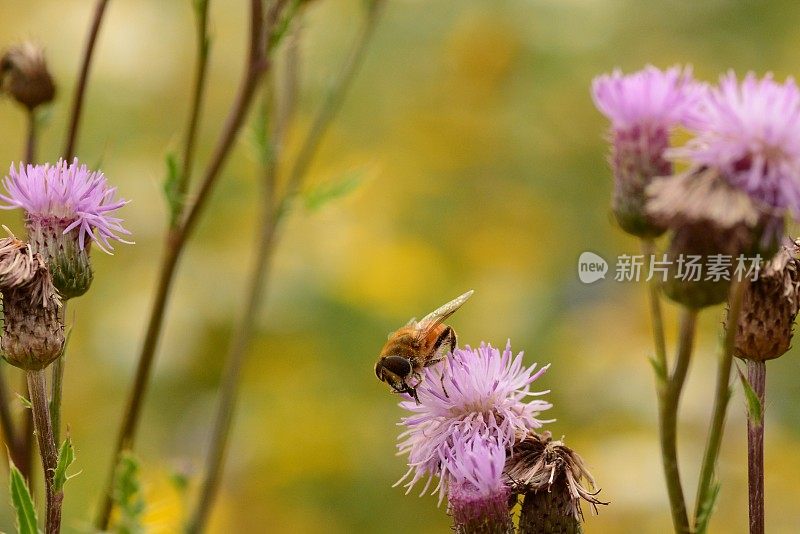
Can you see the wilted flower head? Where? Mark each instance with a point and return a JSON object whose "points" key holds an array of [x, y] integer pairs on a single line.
{"points": [[769, 308], [643, 107], [478, 493], [750, 132], [33, 334], [67, 207], [550, 475], [24, 75], [473, 394]]}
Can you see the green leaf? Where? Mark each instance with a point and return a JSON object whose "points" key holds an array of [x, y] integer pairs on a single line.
{"points": [[706, 509], [319, 196], [172, 192], [128, 496], [754, 409], [22, 501], [66, 456], [25, 402]]}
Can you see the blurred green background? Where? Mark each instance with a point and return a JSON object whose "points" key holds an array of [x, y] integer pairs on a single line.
{"points": [[484, 167]]}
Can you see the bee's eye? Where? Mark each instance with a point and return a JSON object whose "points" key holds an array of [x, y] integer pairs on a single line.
{"points": [[397, 364], [378, 371]]}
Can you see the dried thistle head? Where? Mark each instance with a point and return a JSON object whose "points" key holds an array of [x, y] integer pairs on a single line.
{"points": [[33, 334], [24, 75], [769, 308], [550, 475], [709, 217]]}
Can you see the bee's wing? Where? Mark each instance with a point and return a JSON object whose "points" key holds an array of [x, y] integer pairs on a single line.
{"points": [[440, 314]]}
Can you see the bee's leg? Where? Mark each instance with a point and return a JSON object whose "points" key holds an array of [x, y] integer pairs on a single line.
{"points": [[445, 344]]}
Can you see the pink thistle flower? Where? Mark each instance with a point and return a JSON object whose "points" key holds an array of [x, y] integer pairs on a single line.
{"points": [[478, 493], [643, 108], [750, 132], [473, 394], [67, 207], [67, 198]]}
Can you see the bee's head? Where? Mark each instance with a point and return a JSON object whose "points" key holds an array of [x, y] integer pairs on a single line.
{"points": [[394, 370]]}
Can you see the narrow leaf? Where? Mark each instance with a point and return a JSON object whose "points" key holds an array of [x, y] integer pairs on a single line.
{"points": [[66, 456], [706, 509], [22, 501], [754, 408], [172, 188], [325, 192]]}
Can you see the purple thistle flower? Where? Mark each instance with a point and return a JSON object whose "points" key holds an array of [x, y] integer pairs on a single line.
{"points": [[66, 198], [643, 108], [473, 394], [478, 493], [750, 132]]}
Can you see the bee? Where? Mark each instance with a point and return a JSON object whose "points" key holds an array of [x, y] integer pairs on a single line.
{"points": [[417, 345]]}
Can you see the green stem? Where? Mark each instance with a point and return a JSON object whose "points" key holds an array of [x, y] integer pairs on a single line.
{"points": [[656, 317], [57, 383], [669, 400], [757, 377], [705, 487], [37, 388]]}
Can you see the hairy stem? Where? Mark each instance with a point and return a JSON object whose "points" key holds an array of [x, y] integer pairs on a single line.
{"points": [[669, 400], [176, 239], [37, 388], [757, 376], [83, 78], [704, 502]]}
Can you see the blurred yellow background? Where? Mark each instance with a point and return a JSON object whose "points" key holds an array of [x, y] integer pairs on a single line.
{"points": [[484, 166]]}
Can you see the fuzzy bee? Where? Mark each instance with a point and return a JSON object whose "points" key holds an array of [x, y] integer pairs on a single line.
{"points": [[417, 345]]}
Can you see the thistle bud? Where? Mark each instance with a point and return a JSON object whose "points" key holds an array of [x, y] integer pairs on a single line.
{"points": [[769, 308], [33, 335], [24, 75], [70, 265], [644, 107], [549, 475]]}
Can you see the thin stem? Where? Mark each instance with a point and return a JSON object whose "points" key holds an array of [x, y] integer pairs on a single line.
{"points": [[265, 247], [30, 143], [80, 89], [656, 317], [234, 361], [669, 400], [57, 383], [176, 239], [704, 503], [37, 387], [198, 92], [757, 376], [6, 422], [333, 99]]}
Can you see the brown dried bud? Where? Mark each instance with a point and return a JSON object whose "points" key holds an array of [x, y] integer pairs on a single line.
{"points": [[24, 75], [33, 335], [709, 218], [769, 308], [549, 475]]}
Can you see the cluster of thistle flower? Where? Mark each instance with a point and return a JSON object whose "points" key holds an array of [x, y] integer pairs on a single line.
{"points": [[690, 268], [67, 208], [475, 429], [741, 182]]}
